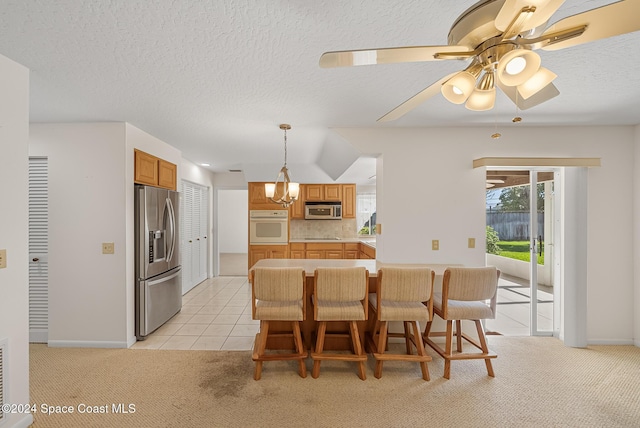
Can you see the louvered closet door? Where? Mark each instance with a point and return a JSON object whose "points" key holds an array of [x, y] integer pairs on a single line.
{"points": [[194, 224], [38, 250], [186, 238]]}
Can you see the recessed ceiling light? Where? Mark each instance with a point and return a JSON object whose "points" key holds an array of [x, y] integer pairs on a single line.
{"points": [[205, 164]]}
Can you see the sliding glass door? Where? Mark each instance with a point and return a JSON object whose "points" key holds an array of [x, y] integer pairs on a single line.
{"points": [[521, 222]]}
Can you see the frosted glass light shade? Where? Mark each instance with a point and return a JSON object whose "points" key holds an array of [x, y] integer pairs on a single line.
{"points": [[481, 100], [459, 87], [294, 190], [269, 189], [538, 81], [521, 72]]}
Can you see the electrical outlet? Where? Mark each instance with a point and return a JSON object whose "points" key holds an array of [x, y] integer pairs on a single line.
{"points": [[472, 242], [435, 245], [3, 259], [108, 248]]}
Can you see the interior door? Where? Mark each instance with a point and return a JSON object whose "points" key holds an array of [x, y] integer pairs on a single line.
{"points": [[194, 237], [38, 250]]}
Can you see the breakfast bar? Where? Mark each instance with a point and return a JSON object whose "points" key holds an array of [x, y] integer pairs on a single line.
{"points": [[308, 326]]}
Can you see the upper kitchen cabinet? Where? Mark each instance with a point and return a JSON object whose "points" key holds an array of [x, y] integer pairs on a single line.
{"points": [[153, 171], [323, 192], [348, 201], [296, 211], [258, 199]]}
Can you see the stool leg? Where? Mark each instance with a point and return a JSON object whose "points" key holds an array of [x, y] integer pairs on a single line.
{"points": [[382, 343], [298, 339], [459, 335], [262, 344], [322, 329], [485, 348], [407, 335], [357, 347], [448, 352], [420, 349]]}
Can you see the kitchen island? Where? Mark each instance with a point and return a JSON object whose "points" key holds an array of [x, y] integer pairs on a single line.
{"points": [[308, 326]]}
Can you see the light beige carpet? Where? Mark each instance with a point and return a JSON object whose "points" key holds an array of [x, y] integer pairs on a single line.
{"points": [[539, 382]]}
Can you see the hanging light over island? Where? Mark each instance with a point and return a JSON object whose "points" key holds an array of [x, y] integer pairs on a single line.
{"points": [[283, 191]]}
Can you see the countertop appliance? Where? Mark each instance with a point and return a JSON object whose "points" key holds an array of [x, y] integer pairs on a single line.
{"points": [[158, 291], [269, 227], [323, 210]]}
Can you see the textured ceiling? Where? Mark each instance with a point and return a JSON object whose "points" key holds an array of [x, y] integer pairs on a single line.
{"points": [[214, 78]]}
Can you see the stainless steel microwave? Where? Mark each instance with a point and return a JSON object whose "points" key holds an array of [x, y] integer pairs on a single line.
{"points": [[323, 210]]}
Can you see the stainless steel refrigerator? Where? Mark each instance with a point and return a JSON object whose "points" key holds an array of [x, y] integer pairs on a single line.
{"points": [[158, 271]]}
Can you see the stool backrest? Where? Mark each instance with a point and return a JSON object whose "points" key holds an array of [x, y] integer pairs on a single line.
{"points": [[401, 284], [278, 284], [341, 284], [470, 284]]}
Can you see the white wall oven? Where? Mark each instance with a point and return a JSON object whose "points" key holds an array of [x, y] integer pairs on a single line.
{"points": [[268, 227]]}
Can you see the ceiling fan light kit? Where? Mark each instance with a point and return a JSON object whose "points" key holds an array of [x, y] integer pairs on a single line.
{"points": [[500, 36], [518, 66]]}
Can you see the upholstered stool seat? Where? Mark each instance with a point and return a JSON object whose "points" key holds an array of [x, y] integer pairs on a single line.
{"points": [[340, 294], [278, 296], [403, 294], [465, 293]]}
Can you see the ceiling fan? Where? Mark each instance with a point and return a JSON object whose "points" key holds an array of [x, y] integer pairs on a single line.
{"points": [[498, 38]]}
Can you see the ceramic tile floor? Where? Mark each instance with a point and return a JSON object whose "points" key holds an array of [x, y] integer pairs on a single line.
{"points": [[215, 315]]}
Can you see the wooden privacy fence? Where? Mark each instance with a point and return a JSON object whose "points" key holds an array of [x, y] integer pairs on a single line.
{"points": [[513, 226]]}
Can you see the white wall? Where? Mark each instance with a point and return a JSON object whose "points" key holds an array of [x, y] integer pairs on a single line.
{"points": [[431, 171], [91, 295], [87, 206], [233, 206], [14, 233]]}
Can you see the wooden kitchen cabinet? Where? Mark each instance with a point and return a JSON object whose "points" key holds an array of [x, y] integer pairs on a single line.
{"points": [[259, 252], [351, 251], [333, 192], [348, 201], [296, 211], [323, 192], [297, 251], [167, 175], [318, 250], [153, 171], [367, 252]]}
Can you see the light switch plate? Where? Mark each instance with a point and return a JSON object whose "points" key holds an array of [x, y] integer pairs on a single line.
{"points": [[3, 259], [435, 245], [472, 242], [108, 248]]}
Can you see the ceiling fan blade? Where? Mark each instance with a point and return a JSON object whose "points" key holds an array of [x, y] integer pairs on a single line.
{"points": [[545, 94], [416, 100], [389, 55], [606, 21], [511, 15]]}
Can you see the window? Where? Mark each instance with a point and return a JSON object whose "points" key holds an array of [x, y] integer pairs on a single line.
{"points": [[366, 213]]}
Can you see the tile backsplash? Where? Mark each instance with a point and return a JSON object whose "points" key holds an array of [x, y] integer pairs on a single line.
{"points": [[345, 228]]}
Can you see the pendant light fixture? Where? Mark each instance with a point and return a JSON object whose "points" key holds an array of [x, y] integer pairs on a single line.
{"points": [[283, 191]]}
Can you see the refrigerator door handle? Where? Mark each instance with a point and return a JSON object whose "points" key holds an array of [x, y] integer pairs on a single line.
{"points": [[172, 226]]}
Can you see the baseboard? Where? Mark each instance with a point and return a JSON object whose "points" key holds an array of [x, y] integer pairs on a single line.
{"points": [[131, 341], [25, 422], [611, 342], [86, 344]]}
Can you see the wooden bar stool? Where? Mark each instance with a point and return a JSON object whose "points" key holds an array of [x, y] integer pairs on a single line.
{"points": [[278, 295], [403, 294], [465, 292], [340, 294]]}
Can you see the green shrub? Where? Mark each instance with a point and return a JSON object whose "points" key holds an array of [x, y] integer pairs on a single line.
{"points": [[492, 241]]}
